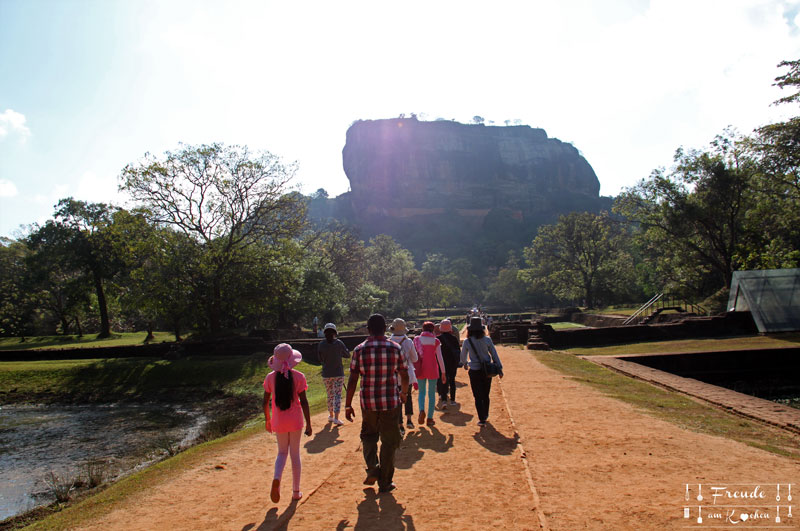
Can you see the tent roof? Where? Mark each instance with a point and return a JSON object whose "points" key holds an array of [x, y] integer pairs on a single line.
{"points": [[771, 295]]}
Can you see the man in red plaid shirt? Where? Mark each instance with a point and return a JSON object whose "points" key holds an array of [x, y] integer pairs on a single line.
{"points": [[378, 361]]}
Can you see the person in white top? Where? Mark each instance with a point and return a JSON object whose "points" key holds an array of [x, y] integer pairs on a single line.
{"points": [[398, 329]]}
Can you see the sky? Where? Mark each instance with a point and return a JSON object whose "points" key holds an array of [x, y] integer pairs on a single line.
{"points": [[89, 86]]}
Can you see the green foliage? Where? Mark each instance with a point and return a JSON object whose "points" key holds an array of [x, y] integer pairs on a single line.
{"points": [[233, 203], [693, 217], [582, 257], [17, 301], [390, 267]]}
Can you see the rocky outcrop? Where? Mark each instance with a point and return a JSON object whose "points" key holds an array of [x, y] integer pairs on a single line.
{"points": [[404, 168], [428, 183]]}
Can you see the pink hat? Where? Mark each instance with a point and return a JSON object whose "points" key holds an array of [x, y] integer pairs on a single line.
{"points": [[283, 358], [446, 326]]}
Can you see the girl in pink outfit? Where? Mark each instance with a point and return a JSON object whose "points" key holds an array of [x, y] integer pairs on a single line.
{"points": [[287, 388], [427, 369]]}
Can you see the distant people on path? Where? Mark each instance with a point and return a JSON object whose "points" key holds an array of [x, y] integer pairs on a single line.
{"points": [[428, 368], [330, 353], [286, 387], [477, 349], [379, 363], [451, 358], [399, 336]]}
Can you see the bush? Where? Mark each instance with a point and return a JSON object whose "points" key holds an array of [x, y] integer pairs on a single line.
{"points": [[59, 487], [95, 471]]}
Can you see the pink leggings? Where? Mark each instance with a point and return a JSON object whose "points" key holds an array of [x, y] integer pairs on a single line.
{"points": [[289, 443]]}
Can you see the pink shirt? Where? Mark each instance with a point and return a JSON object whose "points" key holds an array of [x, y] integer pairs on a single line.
{"points": [[429, 350], [292, 418]]}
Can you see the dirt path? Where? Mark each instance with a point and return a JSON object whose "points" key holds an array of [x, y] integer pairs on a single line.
{"points": [[593, 462]]}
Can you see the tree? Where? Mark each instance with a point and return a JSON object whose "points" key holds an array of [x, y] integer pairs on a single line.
{"points": [[775, 149], [339, 249], [575, 258], [224, 197], [17, 300], [391, 268], [508, 288], [478, 120], [80, 238], [695, 214]]}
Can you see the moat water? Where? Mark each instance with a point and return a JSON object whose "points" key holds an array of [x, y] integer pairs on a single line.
{"points": [[36, 441]]}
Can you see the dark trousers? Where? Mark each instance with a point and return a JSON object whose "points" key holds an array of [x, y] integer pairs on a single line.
{"points": [[409, 405], [481, 386], [450, 371], [380, 425]]}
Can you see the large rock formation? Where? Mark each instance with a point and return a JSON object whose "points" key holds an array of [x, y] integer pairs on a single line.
{"points": [[501, 183]]}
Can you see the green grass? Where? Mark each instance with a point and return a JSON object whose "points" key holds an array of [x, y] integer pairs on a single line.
{"points": [[613, 310], [87, 341], [673, 407], [692, 345], [108, 380], [565, 324]]}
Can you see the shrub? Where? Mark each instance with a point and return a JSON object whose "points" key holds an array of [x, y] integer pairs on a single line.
{"points": [[59, 487]]}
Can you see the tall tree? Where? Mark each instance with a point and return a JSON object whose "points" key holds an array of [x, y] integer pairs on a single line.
{"points": [[575, 258], [17, 299], [391, 268], [696, 212], [776, 184], [226, 198], [80, 236]]}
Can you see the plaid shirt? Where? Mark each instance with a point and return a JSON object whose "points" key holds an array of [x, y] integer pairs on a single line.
{"points": [[377, 361]]}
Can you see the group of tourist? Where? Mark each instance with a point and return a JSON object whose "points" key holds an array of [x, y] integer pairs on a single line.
{"points": [[389, 368]]}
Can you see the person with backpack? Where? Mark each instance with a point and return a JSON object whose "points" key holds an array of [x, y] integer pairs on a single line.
{"points": [[399, 331], [428, 368], [480, 358], [285, 388]]}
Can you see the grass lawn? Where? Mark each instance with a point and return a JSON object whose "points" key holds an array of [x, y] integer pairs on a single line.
{"points": [[109, 380], [673, 407], [565, 324], [693, 345], [87, 341]]}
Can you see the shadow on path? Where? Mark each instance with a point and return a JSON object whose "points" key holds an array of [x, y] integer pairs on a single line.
{"points": [[380, 511], [453, 415], [325, 438], [494, 441], [273, 520], [413, 446]]}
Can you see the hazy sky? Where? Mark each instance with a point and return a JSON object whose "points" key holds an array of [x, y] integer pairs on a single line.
{"points": [[87, 87]]}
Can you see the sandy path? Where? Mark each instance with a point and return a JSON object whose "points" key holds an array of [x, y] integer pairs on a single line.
{"points": [[599, 464], [451, 475], [596, 463]]}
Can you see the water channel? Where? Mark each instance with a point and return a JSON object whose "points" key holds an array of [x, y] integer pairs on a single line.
{"points": [[38, 440]]}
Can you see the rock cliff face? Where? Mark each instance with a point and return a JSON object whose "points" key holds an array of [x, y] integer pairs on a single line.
{"points": [[404, 167], [501, 183]]}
